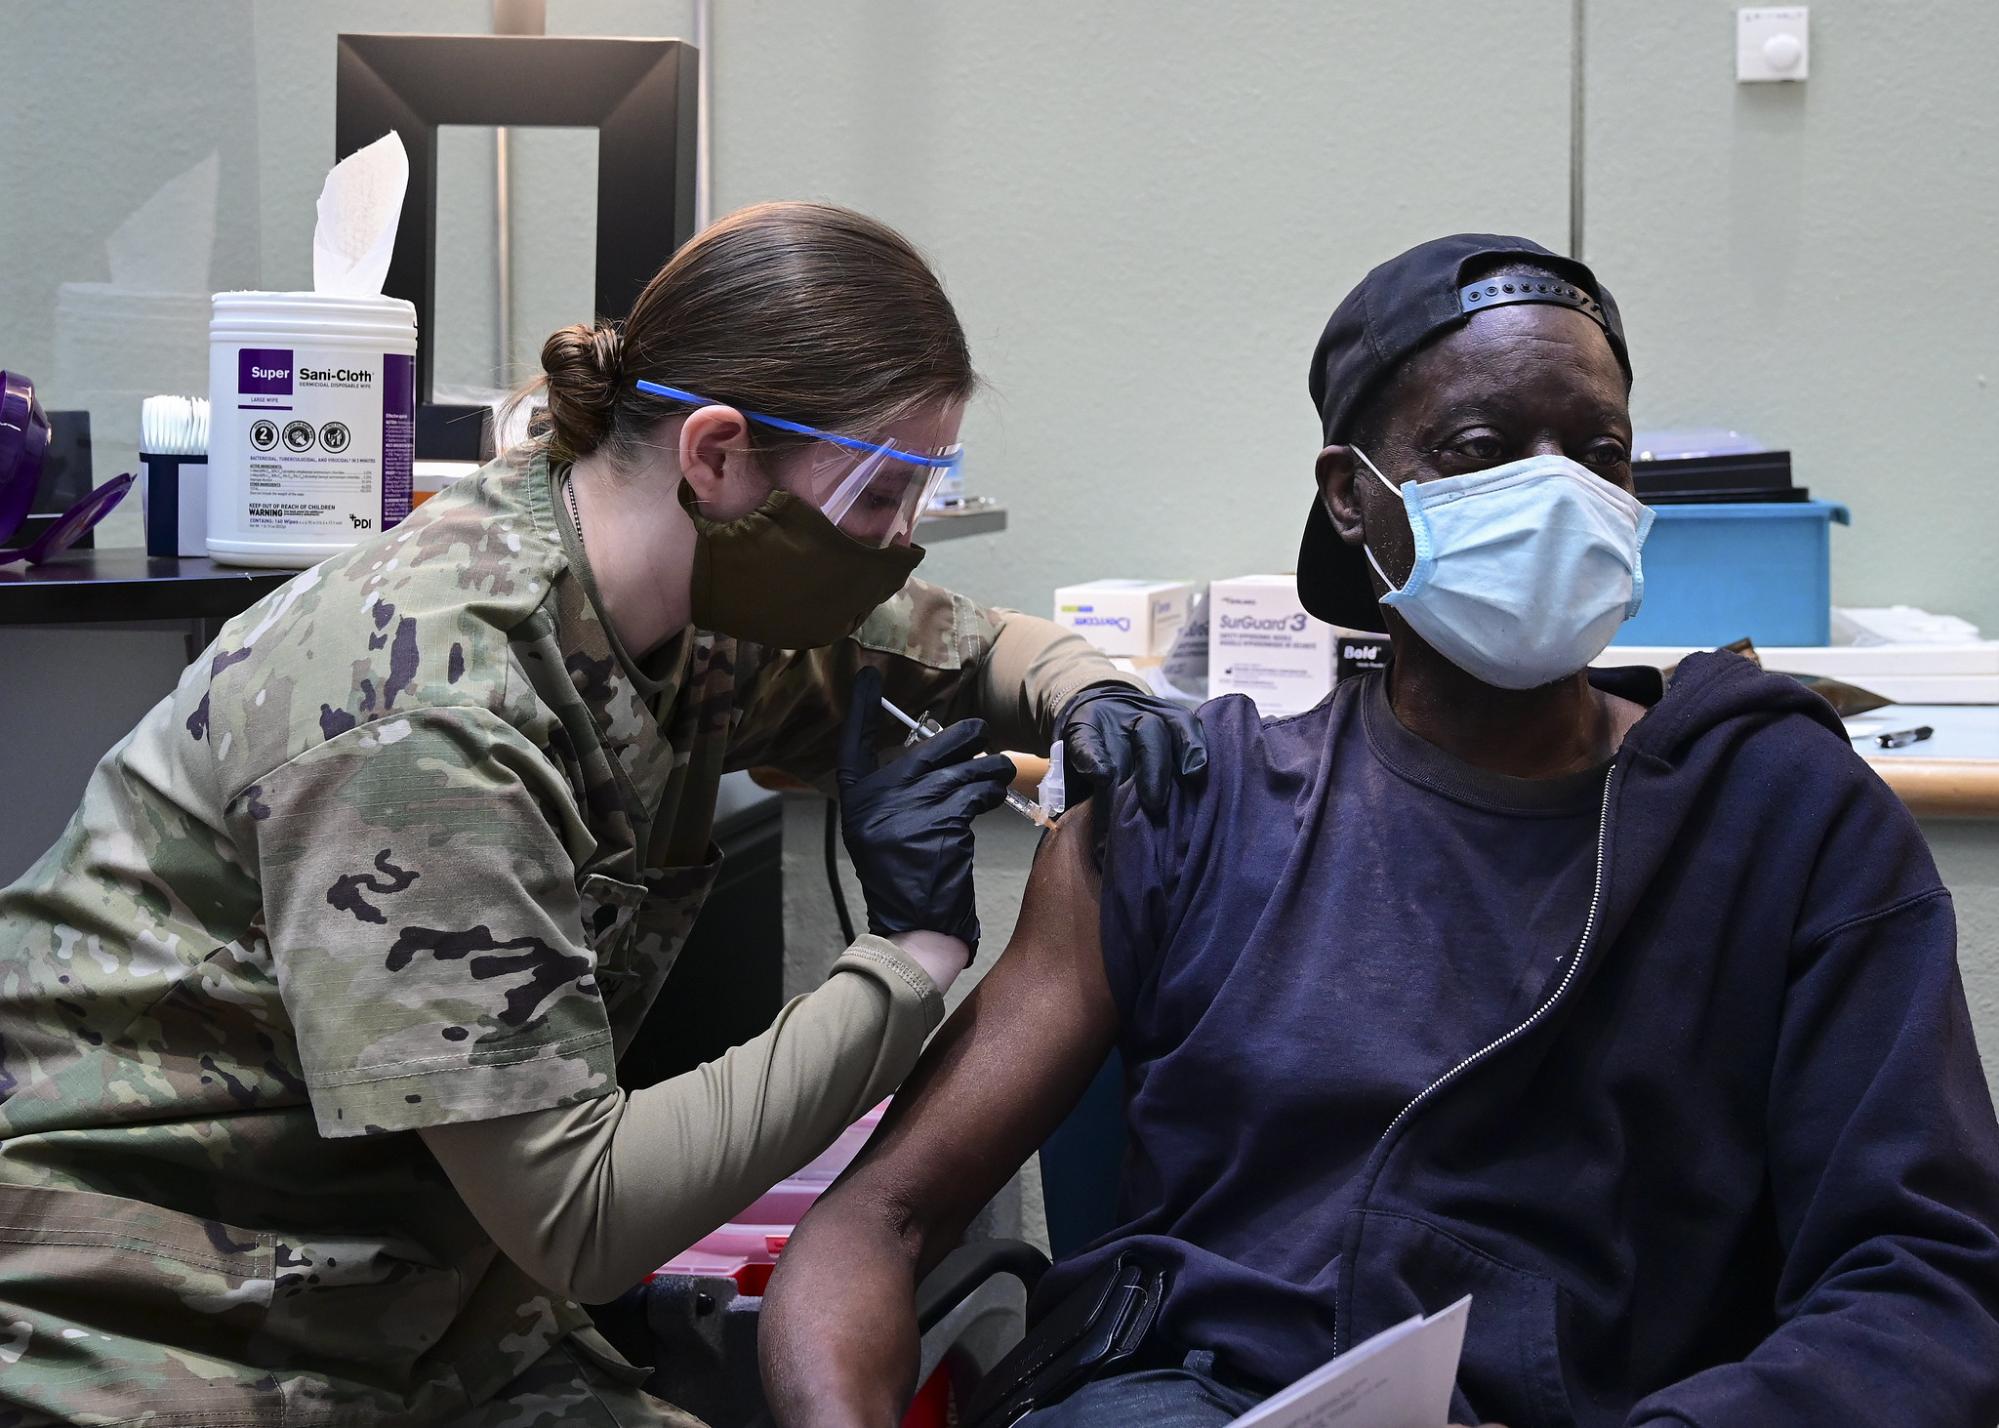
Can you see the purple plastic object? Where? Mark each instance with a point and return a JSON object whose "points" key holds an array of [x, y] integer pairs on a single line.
{"points": [[24, 441], [74, 522]]}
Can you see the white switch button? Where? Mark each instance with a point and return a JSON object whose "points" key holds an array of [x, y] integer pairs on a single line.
{"points": [[1783, 52], [1772, 42]]}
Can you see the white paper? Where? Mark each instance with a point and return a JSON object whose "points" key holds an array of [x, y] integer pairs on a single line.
{"points": [[1898, 624], [360, 206], [1400, 1378]]}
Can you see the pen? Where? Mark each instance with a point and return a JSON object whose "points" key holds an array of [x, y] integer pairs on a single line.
{"points": [[1902, 738]]}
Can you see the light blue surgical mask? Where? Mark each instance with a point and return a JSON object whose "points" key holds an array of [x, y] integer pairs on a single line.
{"points": [[1523, 572]]}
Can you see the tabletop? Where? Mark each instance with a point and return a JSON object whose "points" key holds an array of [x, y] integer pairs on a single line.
{"points": [[1954, 773], [123, 584], [120, 584]]}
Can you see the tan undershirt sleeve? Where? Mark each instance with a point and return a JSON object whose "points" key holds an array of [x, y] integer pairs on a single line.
{"points": [[588, 1199], [1034, 668]]}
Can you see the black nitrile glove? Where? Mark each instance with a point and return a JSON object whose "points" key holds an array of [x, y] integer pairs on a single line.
{"points": [[1111, 732], [909, 826]]}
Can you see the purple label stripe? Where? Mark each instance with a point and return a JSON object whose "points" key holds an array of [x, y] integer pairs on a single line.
{"points": [[265, 371], [398, 407]]}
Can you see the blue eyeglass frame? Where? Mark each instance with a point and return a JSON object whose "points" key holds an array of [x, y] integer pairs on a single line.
{"points": [[797, 428]]}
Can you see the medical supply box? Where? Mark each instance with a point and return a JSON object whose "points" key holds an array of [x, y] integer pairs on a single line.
{"points": [[1720, 572], [1262, 643], [1133, 619]]}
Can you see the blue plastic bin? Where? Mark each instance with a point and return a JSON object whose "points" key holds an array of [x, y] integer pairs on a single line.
{"points": [[1720, 572]]}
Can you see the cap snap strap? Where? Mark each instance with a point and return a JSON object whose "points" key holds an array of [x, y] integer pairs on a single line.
{"points": [[1499, 291]]}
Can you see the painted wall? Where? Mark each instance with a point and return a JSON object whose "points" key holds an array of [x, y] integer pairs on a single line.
{"points": [[1812, 263], [1145, 214]]}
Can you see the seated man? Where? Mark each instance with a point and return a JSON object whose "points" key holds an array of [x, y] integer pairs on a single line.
{"points": [[1632, 1013]]}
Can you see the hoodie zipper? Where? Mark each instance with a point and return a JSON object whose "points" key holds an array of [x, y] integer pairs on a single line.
{"points": [[1540, 1012]]}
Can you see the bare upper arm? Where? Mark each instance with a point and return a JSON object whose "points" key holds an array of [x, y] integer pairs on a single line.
{"points": [[1004, 1070]]}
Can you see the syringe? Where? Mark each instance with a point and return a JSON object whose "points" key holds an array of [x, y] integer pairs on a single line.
{"points": [[929, 728]]}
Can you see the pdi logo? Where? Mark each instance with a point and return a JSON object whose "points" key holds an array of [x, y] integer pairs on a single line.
{"points": [[363, 523]]}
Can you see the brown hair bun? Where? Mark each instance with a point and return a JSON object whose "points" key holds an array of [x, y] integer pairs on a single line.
{"points": [[582, 367]]}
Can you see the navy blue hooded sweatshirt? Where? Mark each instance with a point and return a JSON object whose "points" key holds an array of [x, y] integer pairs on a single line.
{"points": [[1727, 1161]]}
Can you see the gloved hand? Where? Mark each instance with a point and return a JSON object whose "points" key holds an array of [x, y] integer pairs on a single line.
{"points": [[1111, 732], [908, 826]]}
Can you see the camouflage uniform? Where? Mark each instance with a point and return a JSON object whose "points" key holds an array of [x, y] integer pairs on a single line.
{"points": [[414, 842]]}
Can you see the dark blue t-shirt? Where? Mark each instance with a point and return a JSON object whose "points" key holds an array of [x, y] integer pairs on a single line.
{"points": [[1340, 914]]}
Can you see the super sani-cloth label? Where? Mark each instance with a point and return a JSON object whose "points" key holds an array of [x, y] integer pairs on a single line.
{"points": [[327, 439]]}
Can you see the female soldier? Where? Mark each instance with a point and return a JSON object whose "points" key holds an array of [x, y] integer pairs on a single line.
{"points": [[309, 1023]]}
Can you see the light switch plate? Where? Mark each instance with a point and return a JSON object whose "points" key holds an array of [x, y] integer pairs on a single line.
{"points": [[1772, 42]]}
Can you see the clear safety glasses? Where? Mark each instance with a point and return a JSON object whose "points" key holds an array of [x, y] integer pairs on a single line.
{"points": [[873, 491]]}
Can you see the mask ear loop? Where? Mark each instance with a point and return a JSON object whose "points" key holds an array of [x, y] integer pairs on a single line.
{"points": [[1366, 549]]}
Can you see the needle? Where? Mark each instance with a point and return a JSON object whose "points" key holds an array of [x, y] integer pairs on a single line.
{"points": [[928, 728]]}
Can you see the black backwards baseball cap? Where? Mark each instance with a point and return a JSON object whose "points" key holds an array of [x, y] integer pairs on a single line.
{"points": [[1404, 305]]}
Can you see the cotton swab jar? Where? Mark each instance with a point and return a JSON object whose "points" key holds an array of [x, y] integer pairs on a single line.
{"points": [[173, 498]]}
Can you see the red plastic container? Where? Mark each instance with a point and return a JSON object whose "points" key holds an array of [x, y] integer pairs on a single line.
{"points": [[746, 1248], [932, 1407]]}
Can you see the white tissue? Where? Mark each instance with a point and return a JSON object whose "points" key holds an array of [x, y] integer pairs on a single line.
{"points": [[359, 208], [1898, 625], [167, 244]]}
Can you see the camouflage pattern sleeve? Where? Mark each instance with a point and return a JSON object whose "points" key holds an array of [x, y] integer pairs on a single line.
{"points": [[939, 653], [588, 1199], [423, 913], [1034, 668]]}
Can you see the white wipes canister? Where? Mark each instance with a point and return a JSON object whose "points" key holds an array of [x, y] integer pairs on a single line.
{"points": [[311, 400]]}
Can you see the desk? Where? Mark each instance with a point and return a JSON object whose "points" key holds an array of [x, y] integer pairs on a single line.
{"points": [[125, 586], [1952, 774]]}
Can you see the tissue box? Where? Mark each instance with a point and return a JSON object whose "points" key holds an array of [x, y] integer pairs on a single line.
{"points": [[1137, 619], [1262, 643]]}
